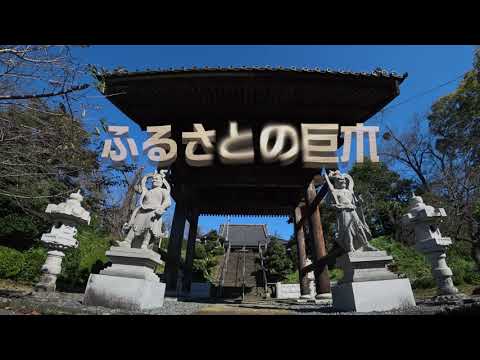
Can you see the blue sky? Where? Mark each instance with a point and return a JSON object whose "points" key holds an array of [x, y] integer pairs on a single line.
{"points": [[428, 67]]}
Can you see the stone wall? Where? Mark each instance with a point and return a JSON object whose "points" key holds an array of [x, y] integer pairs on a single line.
{"points": [[291, 291]]}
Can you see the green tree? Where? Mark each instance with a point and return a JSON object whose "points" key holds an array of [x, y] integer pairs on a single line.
{"points": [[455, 121], [57, 161], [444, 159], [292, 252], [206, 256], [278, 263], [385, 196]]}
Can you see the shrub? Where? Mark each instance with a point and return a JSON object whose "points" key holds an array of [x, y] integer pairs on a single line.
{"points": [[76, 265], [87, 258], [11, 262], [22, 266], [411, 263], [69, 279], [407, 261], [219, 250], [34, 258], [291, 278], [427, 282], [336, 274], [93, 246], [464, 269], [200, 251]]}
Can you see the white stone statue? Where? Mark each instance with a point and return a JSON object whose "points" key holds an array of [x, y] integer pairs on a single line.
{"points": [[352, 230], [66, 217], [131, 282], [145, 223], [428, 239], [311, 279]]}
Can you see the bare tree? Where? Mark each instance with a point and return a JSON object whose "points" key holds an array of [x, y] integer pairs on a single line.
{"points": [[38, 71], [412, 150], [115, 216], [46, 151], [446, 179], [39, 133]]}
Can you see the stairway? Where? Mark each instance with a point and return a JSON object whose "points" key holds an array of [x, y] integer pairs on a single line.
{"points": [[234, 281]]}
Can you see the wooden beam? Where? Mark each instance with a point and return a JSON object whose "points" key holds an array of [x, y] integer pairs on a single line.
{"points": [[175, 247], [192, 235], [322, 280], [324, 261], [313, 205], [301, 252]]}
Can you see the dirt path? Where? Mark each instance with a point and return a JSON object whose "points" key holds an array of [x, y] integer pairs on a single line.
{"points": [[220, 309]]}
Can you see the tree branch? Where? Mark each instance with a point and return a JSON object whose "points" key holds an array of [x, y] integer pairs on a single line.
{"points": [[50, 94]]}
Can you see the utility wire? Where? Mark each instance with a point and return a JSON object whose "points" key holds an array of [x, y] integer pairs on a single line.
{"points": [[382, 112], [426, 92]]}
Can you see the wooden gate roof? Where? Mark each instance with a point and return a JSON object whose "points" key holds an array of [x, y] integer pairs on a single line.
{"points": [[253, 97]]}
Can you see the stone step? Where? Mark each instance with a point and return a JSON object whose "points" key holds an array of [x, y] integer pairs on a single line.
{"points": [[234, 274]]}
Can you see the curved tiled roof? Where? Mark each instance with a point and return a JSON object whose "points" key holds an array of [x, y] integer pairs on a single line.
{"points": [[121, 72], [249, 235]]}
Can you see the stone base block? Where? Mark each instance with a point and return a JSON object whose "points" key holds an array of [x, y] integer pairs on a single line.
{"points": [[287, 291], [367, 296], [47, 283], [325, 296], [124, 293], [323, 302]]}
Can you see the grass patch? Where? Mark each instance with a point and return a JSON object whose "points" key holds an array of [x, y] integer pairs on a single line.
{"points": [[406, 260], [291, 278], [412, 264]]}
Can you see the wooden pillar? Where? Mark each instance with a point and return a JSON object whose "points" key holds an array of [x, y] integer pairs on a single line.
{"points": [[192, 235], [175, 247], [301, 251], [322, 279]]}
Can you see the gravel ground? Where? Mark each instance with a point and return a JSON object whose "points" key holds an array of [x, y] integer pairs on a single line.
{"points": [[31, 303], [469, 305]]}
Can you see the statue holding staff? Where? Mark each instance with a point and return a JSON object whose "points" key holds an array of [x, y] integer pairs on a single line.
{"points": [[352, 230], [146, 220]]}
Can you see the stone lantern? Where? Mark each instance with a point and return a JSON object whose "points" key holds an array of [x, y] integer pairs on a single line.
{"points": [[424, 219], [66, 217]]}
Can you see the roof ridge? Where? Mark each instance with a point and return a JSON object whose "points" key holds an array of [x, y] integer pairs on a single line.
{"points": [[245, 224], [377, 72]]}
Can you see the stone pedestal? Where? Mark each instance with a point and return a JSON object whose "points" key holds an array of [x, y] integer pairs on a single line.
{"points": [[368, 285], [130, 283], [326, 296], [368, 296], [50, 270]]}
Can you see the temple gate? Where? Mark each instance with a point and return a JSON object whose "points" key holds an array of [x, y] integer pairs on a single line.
{"points": [[253, 97]]}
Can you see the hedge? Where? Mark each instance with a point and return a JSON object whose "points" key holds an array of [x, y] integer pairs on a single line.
{"points": [[25, 266]]}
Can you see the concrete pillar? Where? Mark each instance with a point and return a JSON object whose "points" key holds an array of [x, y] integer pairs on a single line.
{"points": [[175, 247], [301, 252], [322, 279], [192, 235]]}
